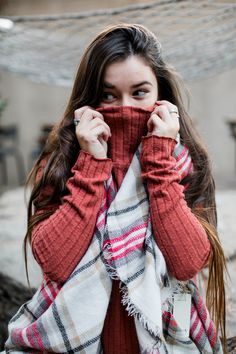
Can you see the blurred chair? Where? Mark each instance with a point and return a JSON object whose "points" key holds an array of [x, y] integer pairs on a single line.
{"points": [[9, 147]]}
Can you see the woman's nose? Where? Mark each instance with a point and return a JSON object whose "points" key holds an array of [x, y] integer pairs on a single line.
{"points": [[126, 101]]}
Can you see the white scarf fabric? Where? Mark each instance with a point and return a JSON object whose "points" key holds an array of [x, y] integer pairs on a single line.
{"points": [[69, 319]]}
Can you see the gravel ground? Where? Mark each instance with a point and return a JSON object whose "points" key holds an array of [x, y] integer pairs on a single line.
{"points": [[13, 226]]}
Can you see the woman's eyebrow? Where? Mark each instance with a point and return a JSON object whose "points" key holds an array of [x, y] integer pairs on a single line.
{"points": [[108, 85], [142, 83]]}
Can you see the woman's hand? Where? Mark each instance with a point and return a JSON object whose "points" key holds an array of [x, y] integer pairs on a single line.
{"points": [[164, 120], [91, 131]]}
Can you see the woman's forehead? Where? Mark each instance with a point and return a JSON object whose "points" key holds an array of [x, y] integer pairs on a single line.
{"points": [[133, 70]]}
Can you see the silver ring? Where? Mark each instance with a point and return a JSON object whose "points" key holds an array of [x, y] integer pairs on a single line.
{"points": [[76, 121], [173, 111]]}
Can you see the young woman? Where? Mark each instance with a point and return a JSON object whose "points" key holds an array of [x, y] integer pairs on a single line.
{"points": [[120, 228]]}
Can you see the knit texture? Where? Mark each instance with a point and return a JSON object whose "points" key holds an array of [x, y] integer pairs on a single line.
{"points": [[60, 241], [71, 319]]}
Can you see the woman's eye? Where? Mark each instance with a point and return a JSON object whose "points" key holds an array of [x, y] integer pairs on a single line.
{"points": [[108, 96], [140, 93]]}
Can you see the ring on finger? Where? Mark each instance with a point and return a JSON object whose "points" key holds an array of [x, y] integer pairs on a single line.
{"points": [[173, 111], [76, 121]]}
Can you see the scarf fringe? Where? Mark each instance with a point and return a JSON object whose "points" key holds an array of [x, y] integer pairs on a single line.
{"points": [[134, 311], [155, 351], [112, 271]]}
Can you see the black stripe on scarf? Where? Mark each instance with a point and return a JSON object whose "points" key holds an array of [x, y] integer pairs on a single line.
{"points": [[123, 211]]}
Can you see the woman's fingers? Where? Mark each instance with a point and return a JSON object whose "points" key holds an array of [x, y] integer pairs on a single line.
{"points": [[97, 122], [86, 113], [101, 131], [162, 112], [154, 122], [90, 114], [164, 120], [89, 118], [172, 109], [80, 111], [87, 130], [91, 131]]}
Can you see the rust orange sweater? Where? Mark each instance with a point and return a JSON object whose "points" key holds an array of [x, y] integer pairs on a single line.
{"points": [[60, 241]]}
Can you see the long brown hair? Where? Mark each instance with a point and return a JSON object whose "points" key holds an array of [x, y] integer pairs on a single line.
{"points": [[61, 150]]}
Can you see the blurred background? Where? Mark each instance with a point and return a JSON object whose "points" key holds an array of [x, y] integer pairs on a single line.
{"points": [[41, 51], [40, 46]]}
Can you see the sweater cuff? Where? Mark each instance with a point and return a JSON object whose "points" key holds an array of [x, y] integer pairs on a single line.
{"points": [[90, 166], [156, 148]]}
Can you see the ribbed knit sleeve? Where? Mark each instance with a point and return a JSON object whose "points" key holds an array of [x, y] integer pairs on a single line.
{"points": [[180, 236], [60, 241]]}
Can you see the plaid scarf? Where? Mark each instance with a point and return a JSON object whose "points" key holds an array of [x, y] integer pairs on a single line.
{"points": [[70, 318]]}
